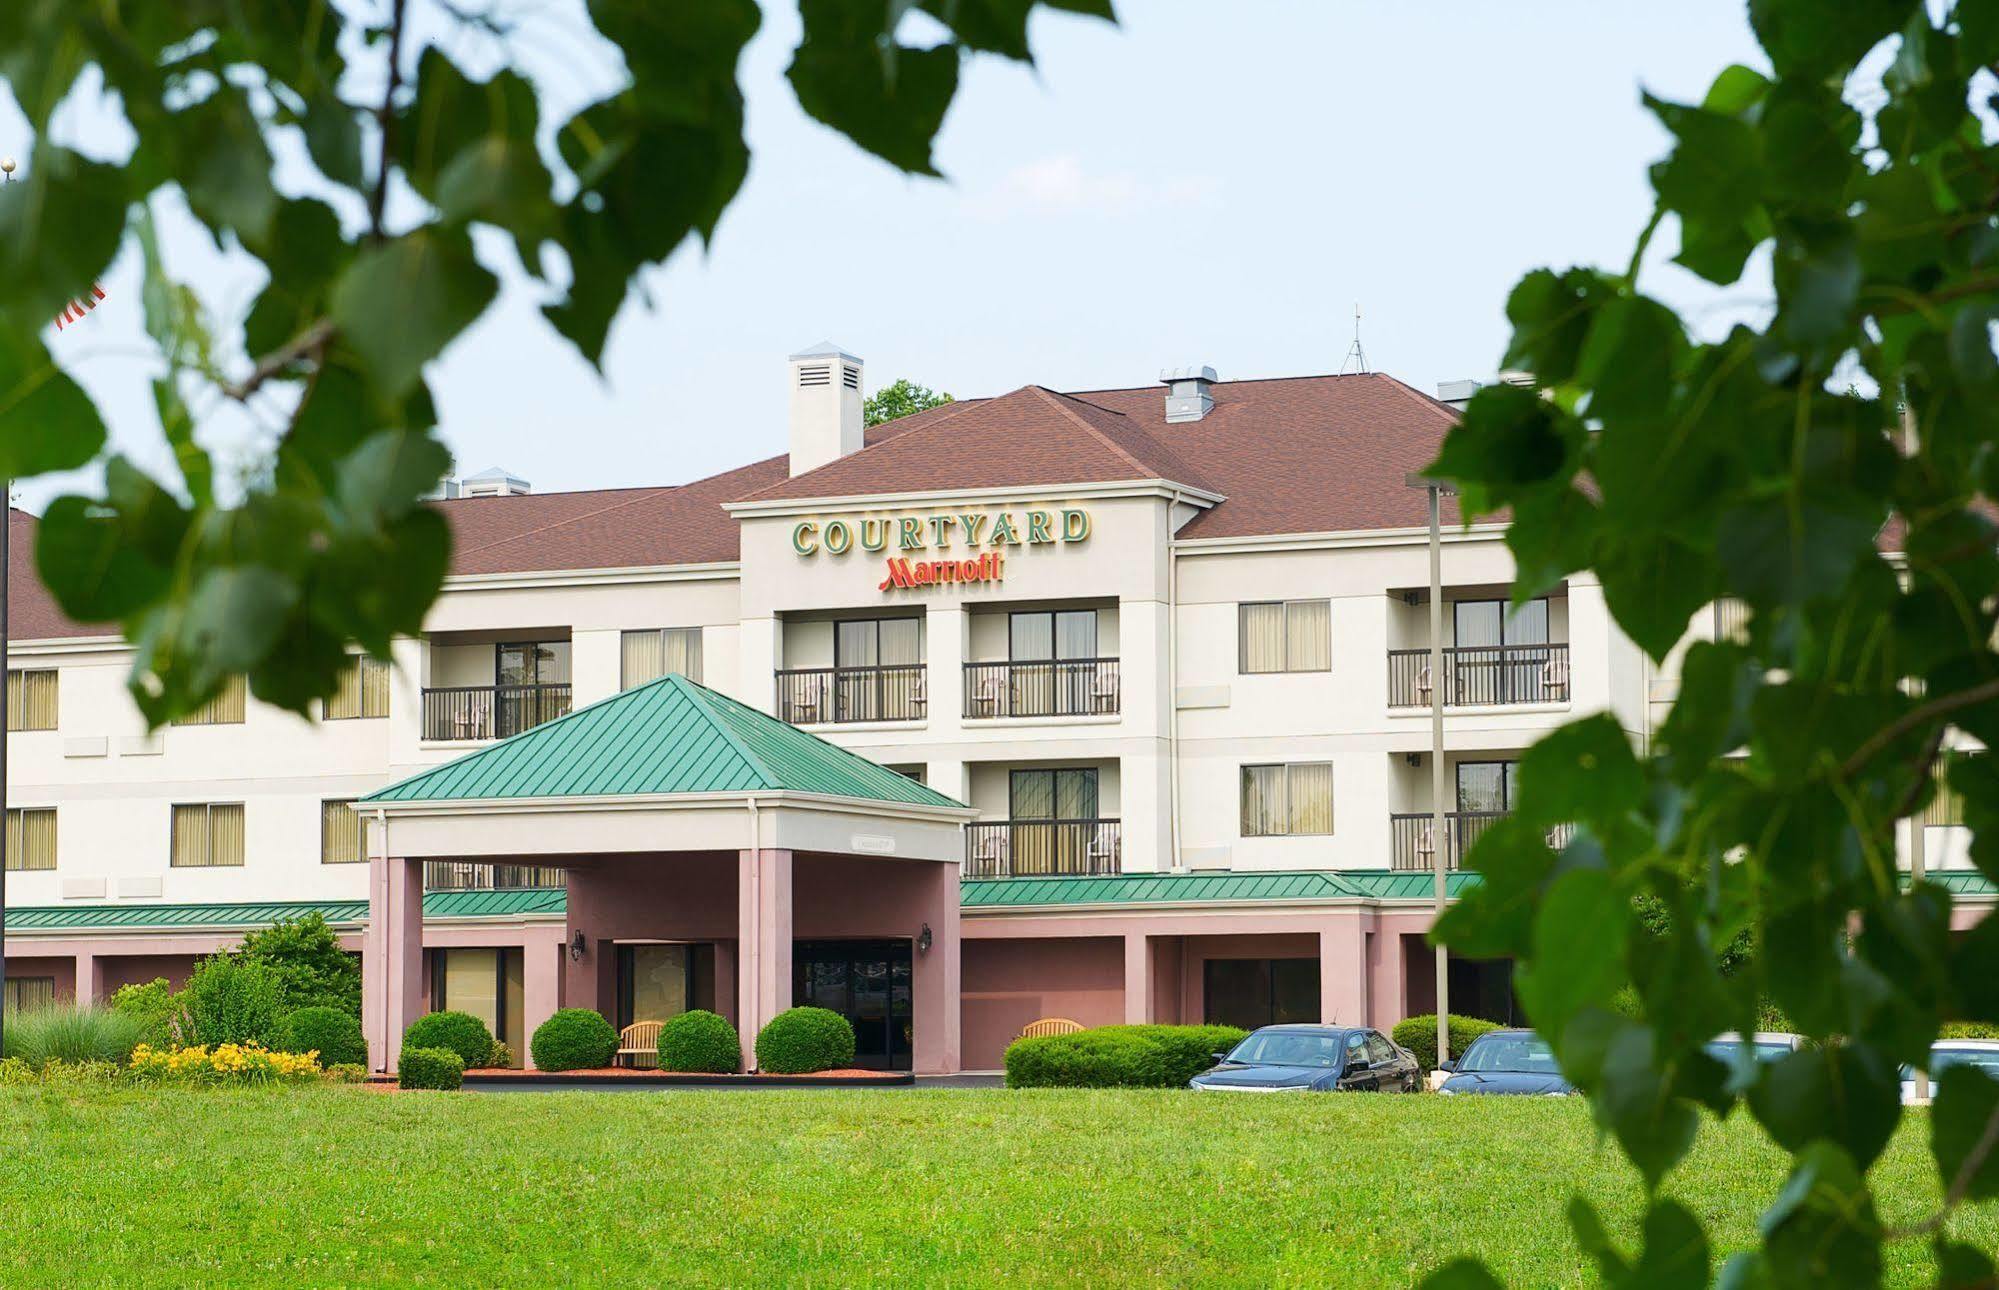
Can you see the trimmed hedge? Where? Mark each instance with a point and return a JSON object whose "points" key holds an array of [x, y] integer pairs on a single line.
{"points": [[436, 1068], [461, 1032], [804, 1041], [1419, 1035], [333, 1033], [574, 1039], [1118, 1057], [700, 1043]]}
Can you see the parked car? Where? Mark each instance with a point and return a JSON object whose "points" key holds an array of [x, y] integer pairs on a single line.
{"points": [[1764, 1045], [1312, 1059], [1517, 1062], [1946, 1053]]}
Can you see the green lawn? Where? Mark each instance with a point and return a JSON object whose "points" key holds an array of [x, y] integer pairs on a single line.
{"points": [[343, 1185]]}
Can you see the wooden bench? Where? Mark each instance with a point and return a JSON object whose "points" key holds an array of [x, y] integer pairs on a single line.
{"points": [[640, 1042]]}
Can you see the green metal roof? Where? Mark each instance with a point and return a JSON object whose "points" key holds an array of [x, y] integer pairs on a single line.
{"points": [[436, 904], [1407, 884], [1962, 882], [670, 736], [1152, 888]]}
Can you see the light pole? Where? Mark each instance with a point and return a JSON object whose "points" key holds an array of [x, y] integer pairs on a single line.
{"points": [[1439, 840], [7, 165]]}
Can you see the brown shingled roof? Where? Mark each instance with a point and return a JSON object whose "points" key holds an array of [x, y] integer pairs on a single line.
{"points": [[32, 613], [1291, 455]]}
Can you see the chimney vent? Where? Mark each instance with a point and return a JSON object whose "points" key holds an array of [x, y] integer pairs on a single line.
{"points": [[825, 402], [492, 483], [1456, 393], [1188, 396]]}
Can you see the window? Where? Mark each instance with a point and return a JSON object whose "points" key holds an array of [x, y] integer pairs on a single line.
{"points": [[363, 692], [1731, 621], [532, 663], [1286, 800], [1053, 821], [1491, 623], [1379, 1049], [1259, 992], [1947, 807], [342, 833], [31, 700], [225, 709], [458, 875], [488, 983], [208, 835], [1486, 787], [877, 642], [649, 655], [1286, 636], [29, 992], [31, 838], [1067, 635]]}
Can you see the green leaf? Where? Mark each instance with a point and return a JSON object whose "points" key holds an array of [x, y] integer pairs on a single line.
{"points": [[1822, 1230], [1552, 315], [401, 303], [47, 422], [888, 98], [1579, 938], [1962, 1267], [1653, 586], [1509, 440], [1838, 1093], [333, 138], [1964, 1117], [1628, 362], [222, 164], [60, 224], [1773, 552], [1584, 771], [1632, 1098], [234, 615], [1676, 1250], [1713, 180], [1816, 39]]}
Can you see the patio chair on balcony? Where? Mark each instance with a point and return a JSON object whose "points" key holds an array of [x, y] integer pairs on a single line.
{"points": [[1103, 693], [989, 852], [1050, 1026], [986, 696], [638, 1045], [1102, 851], [805, 706], [1555, 679]]}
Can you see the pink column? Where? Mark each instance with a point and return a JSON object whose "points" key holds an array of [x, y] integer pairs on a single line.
{"points": [[89, 977], [541, 990], [935, 976], [391, 957], [1343, 972], [1137, 980], [1389, 994], [763, 918]]}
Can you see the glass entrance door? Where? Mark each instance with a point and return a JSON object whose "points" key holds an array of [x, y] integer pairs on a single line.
{"points": [[867, 982]]}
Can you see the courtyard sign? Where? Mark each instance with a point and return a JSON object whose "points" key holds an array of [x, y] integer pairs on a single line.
{"points": [[967, 532]]}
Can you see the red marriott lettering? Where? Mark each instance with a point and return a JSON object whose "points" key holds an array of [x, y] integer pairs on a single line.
{"points": [[928, 573]]}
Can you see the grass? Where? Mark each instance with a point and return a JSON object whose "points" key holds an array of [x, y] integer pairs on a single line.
{"points": [[346, 1185], [70, 1032]]}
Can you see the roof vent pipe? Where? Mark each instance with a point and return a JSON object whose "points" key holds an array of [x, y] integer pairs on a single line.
{"points": [[1188, 392]]}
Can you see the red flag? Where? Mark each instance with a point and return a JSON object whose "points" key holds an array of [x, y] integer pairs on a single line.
{"points": [[76, 309]]}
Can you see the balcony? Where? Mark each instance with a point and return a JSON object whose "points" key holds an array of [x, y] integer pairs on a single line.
{"points": [[1083, 687], [892, 692], [1410, 837], [1042, 848], [475, 712], [1481, 676]]}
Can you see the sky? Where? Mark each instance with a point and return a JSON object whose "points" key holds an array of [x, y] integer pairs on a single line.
{"points": [[1202, 183]]}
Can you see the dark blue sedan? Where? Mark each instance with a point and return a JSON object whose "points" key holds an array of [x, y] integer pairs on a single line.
{"points": [[1312, 1059], [1518, 1062]]}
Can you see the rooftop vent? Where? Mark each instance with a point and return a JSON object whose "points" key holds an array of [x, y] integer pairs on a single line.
{"points": [[491, 483], [1188, 396], [825, 401], [1456, 393]]}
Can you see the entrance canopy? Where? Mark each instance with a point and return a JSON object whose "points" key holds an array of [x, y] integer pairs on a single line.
{"points": [[669, 766]]}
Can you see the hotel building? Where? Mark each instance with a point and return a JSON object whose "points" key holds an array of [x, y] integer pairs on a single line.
{"points": [[1151, 664]]}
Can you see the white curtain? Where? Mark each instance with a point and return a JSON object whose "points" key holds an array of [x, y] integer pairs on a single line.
{"points": [[1308, 636], [1263, 637]]}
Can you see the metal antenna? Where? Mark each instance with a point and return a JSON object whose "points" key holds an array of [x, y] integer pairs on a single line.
{"points": [[1356, 364]]}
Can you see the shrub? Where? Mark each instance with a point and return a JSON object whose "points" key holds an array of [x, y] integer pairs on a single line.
{"points": [[311, 968], [501, 1056], [435, 1068], [1419, 1035], [1118, 1057], [347, 1073], [804, 1041], [333, 1033], [700, 1042], [233, 1001], [461, 1032], [161, 1013], [71, 1032], [573, 1039], [222, 1064], [1969, 1030]]}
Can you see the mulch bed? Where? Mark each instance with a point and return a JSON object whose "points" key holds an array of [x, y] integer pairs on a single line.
{"points": [[494, 1077]]}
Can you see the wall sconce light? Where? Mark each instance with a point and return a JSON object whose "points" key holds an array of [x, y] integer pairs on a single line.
{"points": [[576, 947], [923, 940], [1414, 759]]}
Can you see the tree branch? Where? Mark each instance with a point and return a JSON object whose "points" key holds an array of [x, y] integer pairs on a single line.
{"points": [[1925, 770], [385, 122], [308, 342], [1914, 718]]}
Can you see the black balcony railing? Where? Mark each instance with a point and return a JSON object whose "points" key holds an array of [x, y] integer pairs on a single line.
{"points": [[491, 711], [1080, 687], [1411, 844], [1481, 675], [453, 875], [892, 692], [1041, 848]]}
